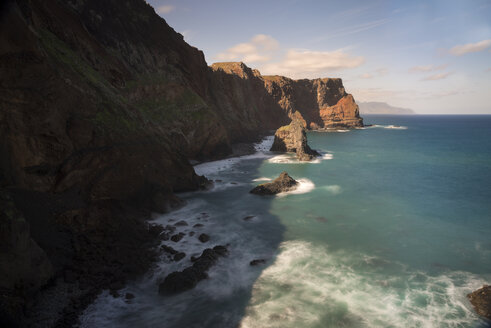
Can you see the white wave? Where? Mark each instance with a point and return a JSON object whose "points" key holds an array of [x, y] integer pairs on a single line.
{"points": [[390, 126], [262, 179], [342, 130], [290, 158], [284, 159], [307, 286], [397, 127], [304, 186], [265, 144], [327, 156], [333, 189]]}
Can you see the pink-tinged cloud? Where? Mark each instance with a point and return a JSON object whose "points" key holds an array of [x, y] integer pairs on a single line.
{"points": [[436, 77], [165, 9], [460, 50]]}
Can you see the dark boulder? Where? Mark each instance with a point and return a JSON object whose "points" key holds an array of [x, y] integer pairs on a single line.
{"points": [[179, 256], [203, 238], [257, 262], [180, 281], [281, 184], [481, 300], [177, 237], [169, 249]]}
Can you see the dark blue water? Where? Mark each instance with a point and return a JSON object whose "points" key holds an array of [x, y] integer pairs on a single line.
{"points": [[390, 229]]}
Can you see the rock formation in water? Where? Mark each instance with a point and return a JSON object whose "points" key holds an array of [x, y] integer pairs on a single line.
{"points": [[323, 103], [481, 300], [282, 183], [292, 138], [180, 281], [102, 105]]}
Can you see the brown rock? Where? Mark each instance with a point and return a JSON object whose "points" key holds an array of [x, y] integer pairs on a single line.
{"points": [[323, 103], [281, 184], [481, 300], [292, 138]]}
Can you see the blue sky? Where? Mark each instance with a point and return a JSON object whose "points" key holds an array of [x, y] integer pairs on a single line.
{"points": [[431, 56]]}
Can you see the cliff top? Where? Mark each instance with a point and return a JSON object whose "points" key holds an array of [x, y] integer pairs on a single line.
{"points": [[279, 78], [238, 68]]}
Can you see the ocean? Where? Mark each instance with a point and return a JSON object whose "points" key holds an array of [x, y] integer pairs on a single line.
{"points": [[390, 227]]}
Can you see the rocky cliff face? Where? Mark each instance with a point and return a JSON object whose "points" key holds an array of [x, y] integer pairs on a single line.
{"points": [[102, 105], [292, 138], [323, 103]]}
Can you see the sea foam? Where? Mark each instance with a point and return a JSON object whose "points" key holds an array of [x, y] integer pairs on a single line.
{"points": [[308, 286], [304, 186]]}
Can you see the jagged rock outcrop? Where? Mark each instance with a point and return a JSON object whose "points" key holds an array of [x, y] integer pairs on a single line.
{"points": [[481, 300], [323, 103], [282, 183], [292, 138]]}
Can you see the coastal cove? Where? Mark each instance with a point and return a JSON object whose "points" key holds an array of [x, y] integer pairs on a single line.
{"points": [[390, 227]]}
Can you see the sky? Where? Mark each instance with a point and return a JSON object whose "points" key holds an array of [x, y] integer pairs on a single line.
{"points": [[430, 56]]}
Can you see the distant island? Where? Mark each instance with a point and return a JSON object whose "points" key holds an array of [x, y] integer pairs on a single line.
{"points": [[375, 107]]}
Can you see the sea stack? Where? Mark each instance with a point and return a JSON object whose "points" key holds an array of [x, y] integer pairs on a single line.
{"points": [[281, 184], [292, 138], [481, 300]]}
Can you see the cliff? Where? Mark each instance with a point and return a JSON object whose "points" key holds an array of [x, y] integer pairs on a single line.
{"points": [[323, 103], [102, 105]]}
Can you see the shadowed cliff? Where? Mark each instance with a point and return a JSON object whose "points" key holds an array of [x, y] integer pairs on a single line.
{"points": [[102, 107]]}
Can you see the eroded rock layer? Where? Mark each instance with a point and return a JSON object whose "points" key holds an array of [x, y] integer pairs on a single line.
{"points": [[292, 138], [323, 103]]}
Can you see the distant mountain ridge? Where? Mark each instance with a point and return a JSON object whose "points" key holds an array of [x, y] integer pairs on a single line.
{"points": [[375, 107]]}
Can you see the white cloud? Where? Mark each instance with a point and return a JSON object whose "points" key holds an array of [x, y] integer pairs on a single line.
{"points": [[427, 68], [460, 50], [366, 76], [295, 63], [307, 63], [259, 49], [165, 9], [439, 76]]}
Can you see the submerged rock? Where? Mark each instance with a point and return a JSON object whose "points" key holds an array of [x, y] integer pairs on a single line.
{"points": [[179, 256], [181, 223], [281, 184], [481, 300], [203, 238], [177, 237], [257, 262], [292, 138], [180, 281]]}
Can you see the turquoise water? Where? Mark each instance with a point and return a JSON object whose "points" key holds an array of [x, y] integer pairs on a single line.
{"points": [[391, 228]]}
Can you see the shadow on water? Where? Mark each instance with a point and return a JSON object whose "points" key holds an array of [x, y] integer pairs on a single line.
{"points": [[231, 216], [252, 233]]}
